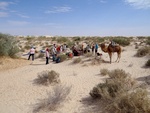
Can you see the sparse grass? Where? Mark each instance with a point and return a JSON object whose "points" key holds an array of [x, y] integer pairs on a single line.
{"points": [[96, 61], [104, 71], [54, 100], [119, 94], [77, 60], [88, 54], [143, 51], [47, 77], [148, 63]]}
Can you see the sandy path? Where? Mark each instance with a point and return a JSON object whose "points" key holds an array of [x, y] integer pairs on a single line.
{"points": [[18, 93]]}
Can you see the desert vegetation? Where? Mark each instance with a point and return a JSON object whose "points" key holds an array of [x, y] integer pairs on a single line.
{"points": [[148, 63], [143, 51], [63, 57], [119, 94], [116, 91], [122, 40], [47, 77], [104, 71], [8, 45], [55, 99]]}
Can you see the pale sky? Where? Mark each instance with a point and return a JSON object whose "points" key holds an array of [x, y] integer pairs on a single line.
{"points": [[75, 17]]}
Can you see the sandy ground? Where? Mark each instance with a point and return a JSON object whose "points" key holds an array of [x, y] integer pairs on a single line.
{"points": [[18, 94]]}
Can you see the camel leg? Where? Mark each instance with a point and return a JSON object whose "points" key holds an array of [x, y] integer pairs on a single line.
{"points": [[118, 57], [110, 55]]}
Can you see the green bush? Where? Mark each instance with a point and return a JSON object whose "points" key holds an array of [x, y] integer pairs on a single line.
{"points": [[122, 41], [8, 46]]}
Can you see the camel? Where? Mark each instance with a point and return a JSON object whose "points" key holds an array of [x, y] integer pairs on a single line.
{"points": [[110, 49]]}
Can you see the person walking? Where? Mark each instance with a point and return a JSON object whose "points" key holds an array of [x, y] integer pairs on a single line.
{"points": [[93, 47], [96, 48], [47, 56], [31, 53], [54, 51]]}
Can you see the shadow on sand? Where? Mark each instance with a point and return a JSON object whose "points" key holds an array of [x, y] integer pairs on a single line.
{"points": [[145, 79], [90, 105]]}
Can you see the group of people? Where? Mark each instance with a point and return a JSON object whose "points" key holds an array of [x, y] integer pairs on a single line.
{"points": [[55, 50]]}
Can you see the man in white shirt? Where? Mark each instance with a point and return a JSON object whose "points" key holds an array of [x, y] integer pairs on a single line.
{"points": [[31, 53]]}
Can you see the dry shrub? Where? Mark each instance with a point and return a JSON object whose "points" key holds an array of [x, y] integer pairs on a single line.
{"points": [[118, 82], [118, 73], [63, 57], [104, 71], [47, 77], [147, 63], [89, 54], [120, 95], [136, 101], [54, 100], [143, 51], [136, 46], [77, 60], [96, 61]]}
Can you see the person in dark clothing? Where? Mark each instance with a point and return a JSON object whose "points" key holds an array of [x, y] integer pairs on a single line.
{"points": [[47, 56]]}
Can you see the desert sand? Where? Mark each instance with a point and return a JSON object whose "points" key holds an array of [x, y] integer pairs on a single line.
{"points": [[18, 94]]}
